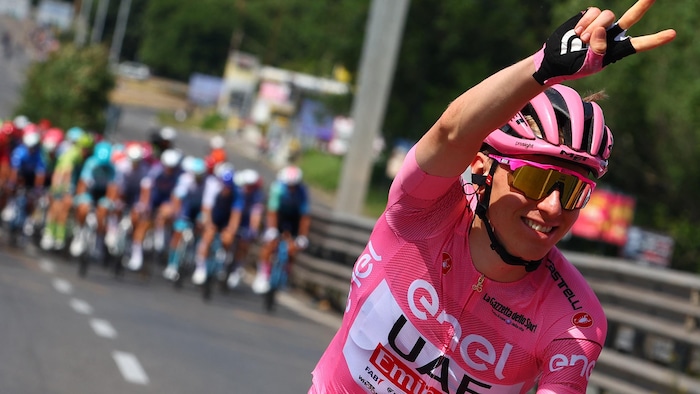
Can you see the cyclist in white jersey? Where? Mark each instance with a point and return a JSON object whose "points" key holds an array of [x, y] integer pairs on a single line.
{"points": [[470, 295]]}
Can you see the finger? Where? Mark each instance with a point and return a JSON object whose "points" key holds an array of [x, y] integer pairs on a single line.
{"points": [[588, 17], [599, 42], [651, 41], [635, 13], [605, 19]]}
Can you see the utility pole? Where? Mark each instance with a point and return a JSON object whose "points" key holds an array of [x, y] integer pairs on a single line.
{"points": [[379, 53], [83, 22], [119, 30], [99, 25]]}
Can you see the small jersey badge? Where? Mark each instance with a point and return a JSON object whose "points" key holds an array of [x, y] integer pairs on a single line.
{"points": [[446, 262], [582, 319]]}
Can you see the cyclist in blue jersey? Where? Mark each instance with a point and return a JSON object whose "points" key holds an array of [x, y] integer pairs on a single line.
{"points": [[222, 205], [154, 200], [187, 200], [96, 189], [251, 184], [28, 171], [27, 163], [288, 209]]}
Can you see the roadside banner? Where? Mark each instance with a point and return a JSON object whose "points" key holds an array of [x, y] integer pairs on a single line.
{"points": [[648, 247], [606, 217]]}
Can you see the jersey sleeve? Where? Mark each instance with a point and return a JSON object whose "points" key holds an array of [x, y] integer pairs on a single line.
{"points": [[211, 190], [239, 202], [17, 156], [569, 366], [184, 182], [305, 205], [418, 197], [86, 172], [273, 201], [153, 172]]}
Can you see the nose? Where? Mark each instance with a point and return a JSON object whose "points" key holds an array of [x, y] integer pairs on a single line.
{"points": [[551, 204]]}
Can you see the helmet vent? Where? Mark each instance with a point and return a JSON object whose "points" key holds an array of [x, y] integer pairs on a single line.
{"points": [[588, 128], [561, 111], [533, 120]]}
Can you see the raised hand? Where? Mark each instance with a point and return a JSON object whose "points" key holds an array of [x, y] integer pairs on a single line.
{"points": [[591, 40], [600, 23]]}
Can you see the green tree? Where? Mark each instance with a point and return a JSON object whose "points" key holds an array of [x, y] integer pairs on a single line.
{"points": [[449, 46], [70, 88], [180, 38]]}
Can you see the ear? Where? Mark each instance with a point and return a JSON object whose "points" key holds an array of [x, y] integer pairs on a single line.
{"points": [[479, 169]]}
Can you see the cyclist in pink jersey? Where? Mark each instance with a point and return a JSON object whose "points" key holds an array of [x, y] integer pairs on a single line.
{"points": [[471, 295]]}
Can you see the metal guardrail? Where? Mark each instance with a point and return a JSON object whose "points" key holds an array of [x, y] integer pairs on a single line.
{"points": [[653, 343]]}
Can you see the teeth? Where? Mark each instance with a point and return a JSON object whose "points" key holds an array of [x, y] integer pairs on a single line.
{"points": [[538, 227]]}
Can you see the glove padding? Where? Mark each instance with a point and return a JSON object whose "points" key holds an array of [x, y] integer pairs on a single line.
{"points": [[301, 242], [270, 234], [564, 56]]}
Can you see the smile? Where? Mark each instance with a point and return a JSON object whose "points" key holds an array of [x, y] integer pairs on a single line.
{"points": [[537, 227]]}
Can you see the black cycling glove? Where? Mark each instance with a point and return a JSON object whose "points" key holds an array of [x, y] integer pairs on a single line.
{"points": [[564, 56]]}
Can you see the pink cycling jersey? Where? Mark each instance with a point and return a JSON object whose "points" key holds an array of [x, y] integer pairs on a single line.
{"points": [[421, 319]]}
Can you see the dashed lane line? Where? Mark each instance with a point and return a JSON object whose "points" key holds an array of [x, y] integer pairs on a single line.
{"points": [[130, 367], [62, 286], [103, 328], [128, 364], [81, 306]]}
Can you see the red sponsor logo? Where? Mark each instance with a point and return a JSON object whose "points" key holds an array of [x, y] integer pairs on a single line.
{"points": [[582, 319], [398, 373], [446, 262]]}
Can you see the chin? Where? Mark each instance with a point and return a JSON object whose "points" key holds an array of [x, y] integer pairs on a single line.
{"points": [[533, 253]]}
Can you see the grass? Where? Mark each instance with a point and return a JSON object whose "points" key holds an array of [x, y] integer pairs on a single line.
{"points": [[205, 120], [322, 170]]}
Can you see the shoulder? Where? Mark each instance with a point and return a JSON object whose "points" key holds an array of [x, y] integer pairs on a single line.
{"points": [[90, 162], [572, 305]]}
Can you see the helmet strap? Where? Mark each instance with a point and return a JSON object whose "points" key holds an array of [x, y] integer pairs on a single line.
{"points": [[496, 245]]}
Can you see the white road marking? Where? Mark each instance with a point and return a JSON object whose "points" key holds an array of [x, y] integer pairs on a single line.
{"points": [[103, 328], [47, 266], [130, 367], [80, 306], [62, 286]]}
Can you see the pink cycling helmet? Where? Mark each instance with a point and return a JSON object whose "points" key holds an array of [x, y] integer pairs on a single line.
{"points": [[571, 129]]}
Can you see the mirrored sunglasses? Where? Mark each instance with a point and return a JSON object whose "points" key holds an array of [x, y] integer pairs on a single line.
{"points": [[536, 181]]}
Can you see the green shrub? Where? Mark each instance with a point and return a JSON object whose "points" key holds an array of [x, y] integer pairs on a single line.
{"points": [[213, 121], [322, 170], [70, 88]]}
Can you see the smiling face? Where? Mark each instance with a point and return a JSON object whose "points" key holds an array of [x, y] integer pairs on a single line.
{"points": [[527, 228]]}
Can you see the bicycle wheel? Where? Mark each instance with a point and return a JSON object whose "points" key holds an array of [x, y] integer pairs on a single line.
{"points": [[212, 267], [278, 274], [183, 257]]}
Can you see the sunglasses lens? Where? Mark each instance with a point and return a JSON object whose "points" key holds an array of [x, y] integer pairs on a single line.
{"points": [[537, 183]]}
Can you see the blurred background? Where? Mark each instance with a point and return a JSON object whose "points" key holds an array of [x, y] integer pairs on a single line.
{"points": [[285, 74], [283, 80]]}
